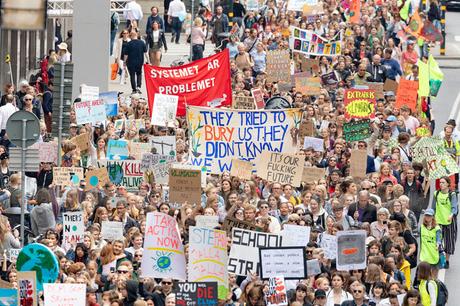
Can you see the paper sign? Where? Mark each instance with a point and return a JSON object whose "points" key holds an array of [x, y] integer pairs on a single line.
{"points": [[117, 149], [390, 85], [351, 250], [329, 245], [149, 160], [81, 141], [359, 103], [67, 294], [329, 79], [163, 249], [276, 293], [297, 5], [312, 174], [138, 149], [313, 267], [89, 93], [164, 110], [286, 261], [8, 297], [96, 178], [243, 102], [207, 221], [258, 98], [47, 152], [357, 130], [165, 145], [358, 163], [74, 229], [377, 87], [295, 235], [241, 169], [112, 230], [196, 294], [308, 86], [316, 143], [110, 100], [13, 254], [310, 64], [313, 10], [67, 176], [208, 257], [407, 94], [244, 253], [125, 173], [278, 66], [161, 173], [90, 111], [184, 186], [280, 168], [27, 287]]}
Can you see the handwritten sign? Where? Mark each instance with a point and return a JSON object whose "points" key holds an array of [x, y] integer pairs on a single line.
{"points": [[390, 85], [312, 174], [164, 110], [27, 287], [310, 65], [357, 130], [67, 176], [276, 294], [81, 141], [89, 93], [112, 230], [90, 111], [164, 144], [280, 168], [407, 94], [359, 103], [358, 163], [196, 294], [258, 97], [307, 128], [308, 86], [149, 160], [47, 152], [241, 169], [295, 235], [137, 149], [243, 102], [230, 223], [74, 229], [351, 250], [184, 185], [117, 149], [218, 136], [208, 257], [65, 294], [126, 173], [110, 99], [96, 178], [377, 87], [163, 248], [329, 244], [278, 66], [286, 261], [316, 143]]}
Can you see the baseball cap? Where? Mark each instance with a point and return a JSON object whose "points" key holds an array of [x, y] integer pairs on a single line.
{"points": [[451, 122], [317, 228], [429, 212], [386, 128], [391, 119], [320, 293]]}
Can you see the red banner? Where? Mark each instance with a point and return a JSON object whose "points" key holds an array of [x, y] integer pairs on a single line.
{"points": [[205, 82]]}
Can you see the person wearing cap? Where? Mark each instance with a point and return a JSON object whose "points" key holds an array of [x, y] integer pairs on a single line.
{"points": [[391, 65], [64, 55], [320, 297], [392, 121], [430, 238], [455, 132]]}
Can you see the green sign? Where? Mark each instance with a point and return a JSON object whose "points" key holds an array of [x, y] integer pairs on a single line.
{"points": [[357, 130]]}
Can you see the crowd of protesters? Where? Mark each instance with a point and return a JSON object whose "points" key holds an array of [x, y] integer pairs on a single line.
{"points": [[408, 240]]}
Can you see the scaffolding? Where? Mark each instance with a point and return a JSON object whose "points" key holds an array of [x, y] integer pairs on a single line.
{"points": [[64, 8]]}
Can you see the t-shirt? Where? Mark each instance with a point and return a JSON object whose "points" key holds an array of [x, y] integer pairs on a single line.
{"points": [[135, 50]]}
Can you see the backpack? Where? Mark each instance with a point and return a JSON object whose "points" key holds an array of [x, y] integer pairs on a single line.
{"points": [[443, 293]]}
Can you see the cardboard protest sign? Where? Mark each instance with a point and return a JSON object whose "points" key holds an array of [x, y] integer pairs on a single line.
{"points": [[208, 258], [125, 173], [149, 160], [307, 128], [357, 130], [117, 149], [164, 144], [244, 253], [313, 10], [110, 99], [207, 221], [73, 229], [407, 94], [312, 142], [196, 294], [9, 297], [230, 223], [310, 65], [219, 136], [280, 168], [243, 102], [67, 176], [278, 66], [312, 174], [90, 111], [184, 185], [47, 152], [309, 43], [96, 178], [308, 86], [329, 79], [431, 151], [297, 5], [89, 93], [27, 287], [163, 249], [390, 85], [377, 87], [81, 141], [112, 230], [276, 293], [313, 267], [6, 285], [351, 250], [359, 103], [72, 294], [358, 163], [295, 235], [241, 169], [258, 97], [286, 261], [137, 149], [164, 110], [329, 244]]}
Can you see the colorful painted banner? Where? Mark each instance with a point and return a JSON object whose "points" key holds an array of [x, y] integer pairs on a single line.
{"points": [[308, 86], [204, 82], [407, 94], [307, 42], [276, 294], [436, 76], [359, 104], [110, 100], [218, 136], [8, 297], [357, 130], [27, 287], [280, 168], [117, 149], [164, 110], [74, 229], [208, 258], [351, 250], [90, 111], [163, 249], [125, 173], [196, 294], [67, 294]]}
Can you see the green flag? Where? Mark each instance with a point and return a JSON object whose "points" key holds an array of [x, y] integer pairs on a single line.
{"points": [[436, 76]]}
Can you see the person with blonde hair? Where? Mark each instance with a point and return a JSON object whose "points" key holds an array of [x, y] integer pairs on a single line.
{"points": [[197, 39]]}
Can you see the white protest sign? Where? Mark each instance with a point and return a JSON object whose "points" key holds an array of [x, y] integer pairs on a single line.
{"points": [[295, 235], [89, 93], [65, 294], [149, 160], [286, 261], [297, 5], [165, 145], [112, 230], [351, 250], [163, 249], [164, 110], [13, 254], [244, 253], [207, 221], [280, 168], [316, 143], [74, 228], [313, 267], [161, 173], [329, 244], [90, 111]]}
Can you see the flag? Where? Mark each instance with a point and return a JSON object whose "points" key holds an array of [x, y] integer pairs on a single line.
{"points": [[423, 79], [404, 12], [435, 75], [415, 25], [430, 32], [355, 11]]}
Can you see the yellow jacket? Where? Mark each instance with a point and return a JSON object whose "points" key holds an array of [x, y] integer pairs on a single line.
{"points": [[405, 268]]}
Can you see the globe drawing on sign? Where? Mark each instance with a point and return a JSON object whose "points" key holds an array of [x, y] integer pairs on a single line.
{"points": [[37, 257], [164, 262]]}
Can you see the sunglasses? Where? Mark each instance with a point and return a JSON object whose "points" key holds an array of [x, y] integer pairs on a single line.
{"points": [[357, 291], [138, 255], [123, 271], [27, 99], [166, 283]]}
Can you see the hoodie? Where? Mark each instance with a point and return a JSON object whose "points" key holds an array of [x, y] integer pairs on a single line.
{"points": [[132, 287], [42, 218]]}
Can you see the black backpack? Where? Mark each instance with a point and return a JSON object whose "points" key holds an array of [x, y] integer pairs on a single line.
{"points": [[443, 293]]}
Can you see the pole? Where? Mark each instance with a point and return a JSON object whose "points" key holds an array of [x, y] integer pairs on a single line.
{"points": [[191, 27], [443, 27], [61, 110], [23, 178]]}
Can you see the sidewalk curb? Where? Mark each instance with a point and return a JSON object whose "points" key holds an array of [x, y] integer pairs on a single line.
{"points": [[447, 58]]}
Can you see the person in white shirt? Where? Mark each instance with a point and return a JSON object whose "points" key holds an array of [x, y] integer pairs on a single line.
{"points": [[133, 13], [5, 112], [136, 244], [64, 56], [410, 121], [176, 14], [455, 133]]}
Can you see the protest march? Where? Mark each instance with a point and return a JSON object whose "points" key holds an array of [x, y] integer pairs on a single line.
{"points": [[294, 164]]}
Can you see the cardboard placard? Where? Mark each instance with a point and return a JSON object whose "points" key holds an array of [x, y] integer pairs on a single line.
{"points": [[308, 86], [241, 169], [47, 152], [286, 261], [138, 149], [276, 294], [96, 178], [312, 174], [280, 168], [359, 103], [230, 223], [358, 163], [307, 128], [81, 141], [112, 230], [258, 98], [27, 287], [377, 87], [278, 65], [184, 185], [310, 65], [196, 293], [67, 176], [390, 85], [407, 94], [243, 102], [357, 130], [73, 229], [351, 250]]}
